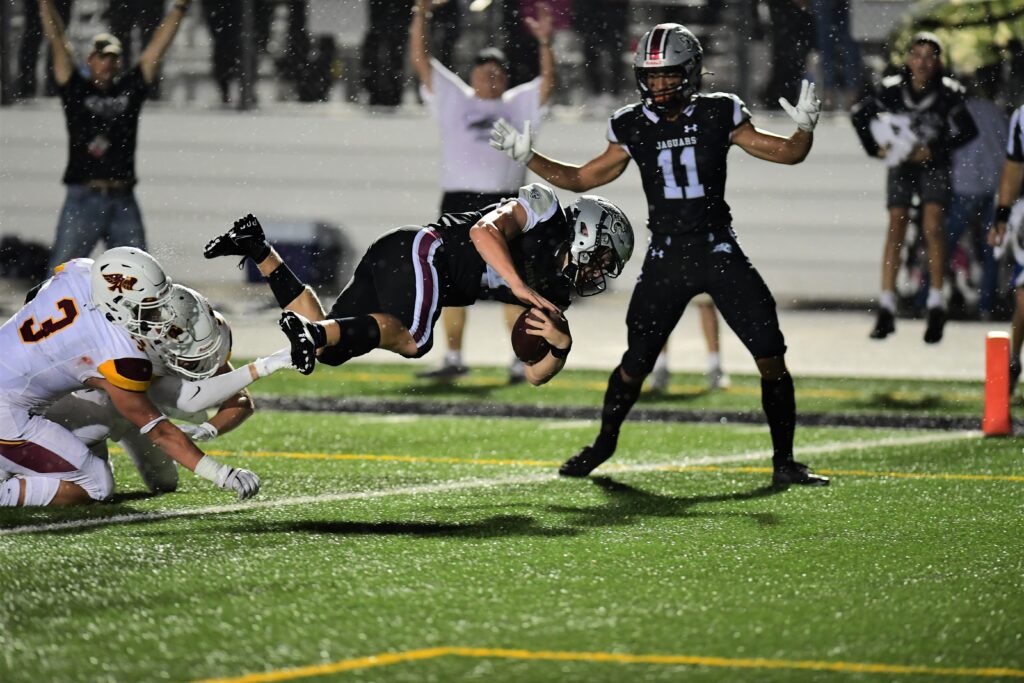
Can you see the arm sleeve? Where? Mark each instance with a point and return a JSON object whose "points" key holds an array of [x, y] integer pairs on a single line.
{"points": [[862, 114], [540, 203], [209, 393]]}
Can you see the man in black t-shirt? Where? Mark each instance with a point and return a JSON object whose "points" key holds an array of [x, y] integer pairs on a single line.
{"points": [[680, 138], [527, 250], [101, 110], [930, 107]]}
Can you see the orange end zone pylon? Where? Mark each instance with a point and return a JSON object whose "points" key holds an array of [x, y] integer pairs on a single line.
{"points": [[996, 421]]}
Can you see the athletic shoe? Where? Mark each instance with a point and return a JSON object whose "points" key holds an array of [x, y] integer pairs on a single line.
{"points": [[793, 472], [885, 324], [245, 239], [296, 328], [1014, 373], [516, 373], [718, 379], [583, 463], [660, 379], [445, 372], [936, 321]]}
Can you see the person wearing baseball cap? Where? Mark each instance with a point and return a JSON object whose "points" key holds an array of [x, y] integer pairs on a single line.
{"points": [[102, 111]]}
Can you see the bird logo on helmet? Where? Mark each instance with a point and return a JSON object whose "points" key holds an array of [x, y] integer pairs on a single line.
{"points": [[602, 242], [132, 290], [669, 49]]}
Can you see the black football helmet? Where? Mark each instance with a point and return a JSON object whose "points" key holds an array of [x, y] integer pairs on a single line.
{"points": [[668, 49]]}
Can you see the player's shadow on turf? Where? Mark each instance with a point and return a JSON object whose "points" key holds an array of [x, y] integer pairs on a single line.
{"points": [[893, 401], [442, 389], [498, 526], [627, 505]]}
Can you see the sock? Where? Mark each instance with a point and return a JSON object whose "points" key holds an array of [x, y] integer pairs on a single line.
{"points": [[779, 403], [359, 336], [618, 400], [714, 360], [453, 358], [935, 298], [887, 300], [661, 362], [283, 283], [259, 252], [39, 491]]}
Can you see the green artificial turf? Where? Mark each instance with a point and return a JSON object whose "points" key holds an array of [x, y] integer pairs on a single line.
{"points": [[908, 559], [586, 387]]}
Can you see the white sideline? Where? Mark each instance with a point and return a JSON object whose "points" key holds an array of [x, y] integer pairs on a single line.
{"points": [[445, 487]]}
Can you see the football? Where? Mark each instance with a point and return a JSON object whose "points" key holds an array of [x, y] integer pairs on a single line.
{"points": [[528, 348]]}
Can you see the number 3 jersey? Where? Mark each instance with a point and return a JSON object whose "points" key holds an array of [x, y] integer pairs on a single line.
{"points": [[682, 162], [58, 340]]}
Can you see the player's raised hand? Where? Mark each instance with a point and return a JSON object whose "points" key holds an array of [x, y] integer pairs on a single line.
{"points": [[543, 25], [807, 109], [505, 138]]}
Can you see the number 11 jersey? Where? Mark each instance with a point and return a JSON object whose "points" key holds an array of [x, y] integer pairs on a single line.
{"points": [[682, 162]]}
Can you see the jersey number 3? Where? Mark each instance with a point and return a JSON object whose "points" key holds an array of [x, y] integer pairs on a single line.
{"points": [[29, 333], [688, 161]]}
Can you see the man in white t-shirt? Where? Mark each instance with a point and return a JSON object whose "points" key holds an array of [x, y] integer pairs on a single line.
{"points": [[472, 173]]}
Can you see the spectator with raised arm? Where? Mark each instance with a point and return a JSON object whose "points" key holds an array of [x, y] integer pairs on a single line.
{"points": [[102, 110], [473, 174]]}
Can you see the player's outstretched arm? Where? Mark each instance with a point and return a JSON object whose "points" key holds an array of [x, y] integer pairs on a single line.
{"points": [[771, 147], [600, 170], [419, 51], [53, 29], [555, 329], [542, 29], [136, 407]]}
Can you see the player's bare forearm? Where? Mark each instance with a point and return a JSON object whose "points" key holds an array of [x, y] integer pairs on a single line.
{"points": [[162, 38], [565, 176], [419, 51], [771, 147], [1010, 182], [493, 248], [233, 412], [172, 441], [543, 370]]}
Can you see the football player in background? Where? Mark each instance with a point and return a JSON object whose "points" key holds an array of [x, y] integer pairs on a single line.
{"points": [[526, 250], [679, 138], [192, 374], [84, 328], [1010, 213], [939, 122]]}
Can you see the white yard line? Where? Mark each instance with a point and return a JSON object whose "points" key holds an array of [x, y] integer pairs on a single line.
{"points": [[461, 485]]}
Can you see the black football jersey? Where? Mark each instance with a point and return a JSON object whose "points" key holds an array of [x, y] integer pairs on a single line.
{"points": [[682, 162], [468, 278], [938, 115]]}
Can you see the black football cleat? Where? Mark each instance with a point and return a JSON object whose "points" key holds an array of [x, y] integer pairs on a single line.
{"points": [[296, 328], [795, 473], [583, 463], [885, 324], [936, 322], [245, 239]]}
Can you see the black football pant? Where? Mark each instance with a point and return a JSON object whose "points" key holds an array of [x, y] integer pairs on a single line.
{"points": [[676, 268]]}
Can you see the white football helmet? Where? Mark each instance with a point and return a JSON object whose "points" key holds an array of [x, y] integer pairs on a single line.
{"points": [[602, 242], [197, 340], [132, 290], [671, 49]]}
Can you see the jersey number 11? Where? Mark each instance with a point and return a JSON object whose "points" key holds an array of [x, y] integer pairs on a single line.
{"points": [[688, 161]]}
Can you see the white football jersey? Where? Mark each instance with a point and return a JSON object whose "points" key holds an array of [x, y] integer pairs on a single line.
{"points": [[60, 339]]}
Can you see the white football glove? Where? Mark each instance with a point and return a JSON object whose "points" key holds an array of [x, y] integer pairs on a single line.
{"points": [[243, 482], [274, 362], [203, 432], [505, 138], [807, 109]]}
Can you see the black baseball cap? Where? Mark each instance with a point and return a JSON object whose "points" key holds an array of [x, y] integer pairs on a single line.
{"points": [[491, 54]]}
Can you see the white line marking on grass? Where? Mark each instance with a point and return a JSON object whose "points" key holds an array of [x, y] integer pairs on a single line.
{"points": [[465, 484]]}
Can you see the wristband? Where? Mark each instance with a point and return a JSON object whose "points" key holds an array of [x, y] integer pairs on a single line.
{"points": [[211, 470], [149, 426], [1002, 214], [214, 432], [561, 354]]}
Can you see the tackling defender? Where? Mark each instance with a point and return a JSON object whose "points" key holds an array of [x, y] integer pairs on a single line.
{"points": [[527, 250], [83, 329], [680, 139]]}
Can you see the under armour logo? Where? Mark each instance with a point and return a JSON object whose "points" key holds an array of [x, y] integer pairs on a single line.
{"points": [[723, 247], [657, 253], [119, 283], [690, 128]]}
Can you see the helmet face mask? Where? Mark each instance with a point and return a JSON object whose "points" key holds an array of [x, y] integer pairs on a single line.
{"points": [[602, 243], [668, 49], [131, 289], [197, 340]]}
